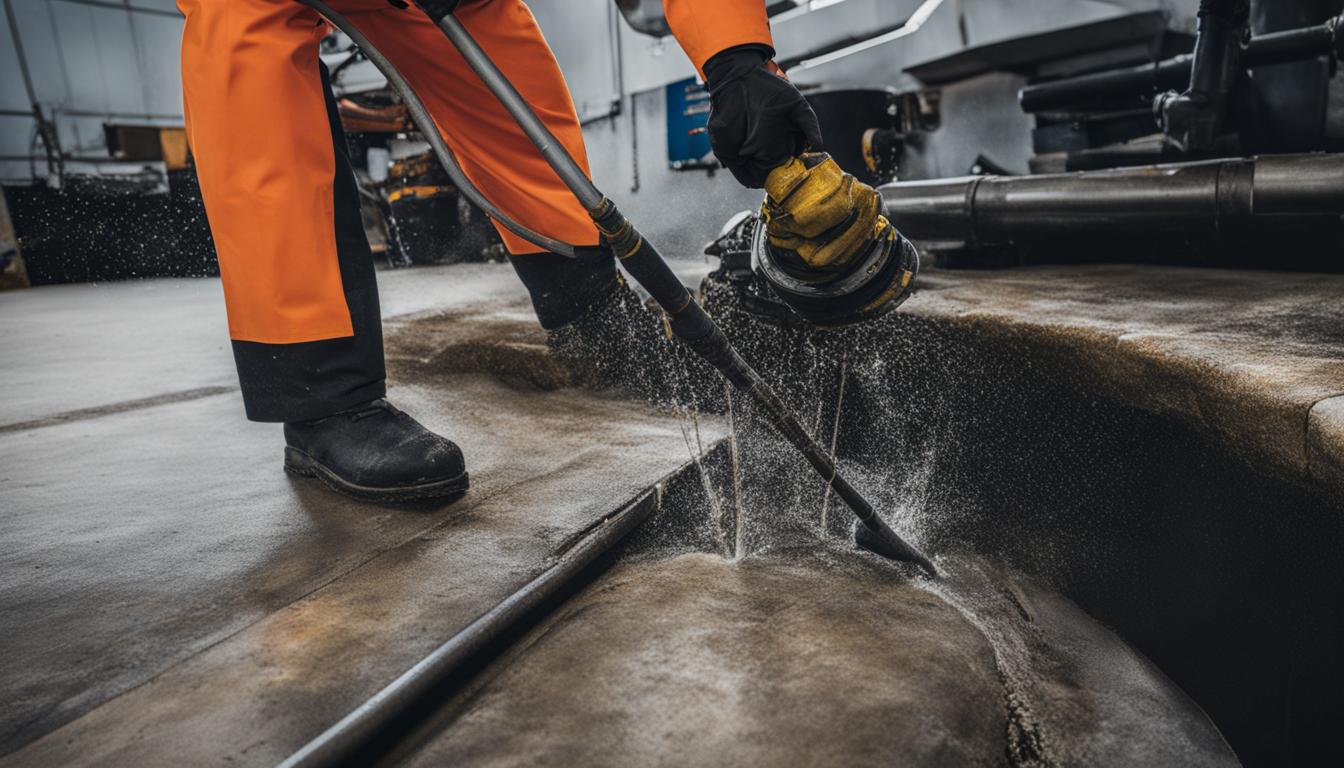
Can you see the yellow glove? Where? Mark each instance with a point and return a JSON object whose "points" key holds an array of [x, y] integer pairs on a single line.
{"points": [[824, 215]]}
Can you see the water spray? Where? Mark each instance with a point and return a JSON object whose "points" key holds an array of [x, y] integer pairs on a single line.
{"points": [[637, 255]]}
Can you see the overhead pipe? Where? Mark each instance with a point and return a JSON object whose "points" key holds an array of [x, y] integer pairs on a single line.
{"points": [[1198, 196], [1263, 50], [1193, 119]]}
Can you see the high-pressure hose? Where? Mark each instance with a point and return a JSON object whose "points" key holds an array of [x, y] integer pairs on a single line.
{"points": [[637, 255], [425, 123], [688, 320]]}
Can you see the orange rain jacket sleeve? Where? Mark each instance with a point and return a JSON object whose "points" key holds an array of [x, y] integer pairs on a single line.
{"points": [[705, 27]]}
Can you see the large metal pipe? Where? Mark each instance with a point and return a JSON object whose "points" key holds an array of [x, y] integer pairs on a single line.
{"points": [[1193, 120], [1263, 50], [1207, 196]]}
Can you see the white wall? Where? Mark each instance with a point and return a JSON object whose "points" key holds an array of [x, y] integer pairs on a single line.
{"points": [[118, 59], [90, 62]]}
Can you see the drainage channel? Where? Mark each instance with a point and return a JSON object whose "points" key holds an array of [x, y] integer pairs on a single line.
{"points": [[995, 437]]}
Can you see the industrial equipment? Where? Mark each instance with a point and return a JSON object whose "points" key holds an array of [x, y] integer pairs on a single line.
{"points": [[1205, 157], [1210, 153]]}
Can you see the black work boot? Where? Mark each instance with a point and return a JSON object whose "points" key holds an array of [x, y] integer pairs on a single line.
{"points": [[375, 452]]}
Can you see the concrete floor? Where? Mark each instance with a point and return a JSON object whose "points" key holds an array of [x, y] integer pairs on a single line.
{"points": [[178, 600], [820, 657], [172, 597], [104, 345]]}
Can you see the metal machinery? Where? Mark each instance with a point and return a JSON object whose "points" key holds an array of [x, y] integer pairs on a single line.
{"points": [[1146, 144], [94, 167], [1226, 151]]}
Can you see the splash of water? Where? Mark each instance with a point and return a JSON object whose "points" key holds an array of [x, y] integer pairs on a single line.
{"points": [[740, 521], [835, 433]]}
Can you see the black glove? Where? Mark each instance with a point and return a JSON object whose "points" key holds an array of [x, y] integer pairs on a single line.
{"points": [[759, 119]]}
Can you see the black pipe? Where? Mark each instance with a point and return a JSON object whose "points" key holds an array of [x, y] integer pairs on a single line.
{"points": [[1202, 196], [1263, 50], [1297, 44], [1194, 119], [337, 744], [1218, 48]]}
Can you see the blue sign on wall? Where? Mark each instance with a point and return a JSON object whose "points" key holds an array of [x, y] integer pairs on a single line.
{"points": [[687, 116]]}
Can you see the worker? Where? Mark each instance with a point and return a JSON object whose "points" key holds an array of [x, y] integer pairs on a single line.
{"points": [[297, 272]]}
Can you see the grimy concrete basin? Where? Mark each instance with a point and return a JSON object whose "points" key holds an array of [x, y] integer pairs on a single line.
{"points": [[1158, 445], [810, 655], [1102, 557]]}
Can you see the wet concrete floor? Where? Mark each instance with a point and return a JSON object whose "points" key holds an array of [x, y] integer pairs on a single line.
{"points": [[180, 601], [170, 596], [823, 656]]}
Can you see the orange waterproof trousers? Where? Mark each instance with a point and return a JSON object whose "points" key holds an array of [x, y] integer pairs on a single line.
{"points": [[297, 275], [257, 124]]}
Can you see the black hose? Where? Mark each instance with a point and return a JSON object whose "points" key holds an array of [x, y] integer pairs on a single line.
{"points": [[422, 119], [688, 320], [689, 323]]}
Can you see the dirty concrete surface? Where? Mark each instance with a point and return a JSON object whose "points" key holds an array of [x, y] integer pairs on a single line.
{"points": [[823, 656], [1254, 357], [168, 590], [158, 575]]}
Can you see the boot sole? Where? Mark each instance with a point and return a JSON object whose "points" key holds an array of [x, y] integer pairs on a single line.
{"points": [[301, 464]]}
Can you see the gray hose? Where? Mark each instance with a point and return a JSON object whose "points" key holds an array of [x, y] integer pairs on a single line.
{"points": [[541, 137], [421, 117]]}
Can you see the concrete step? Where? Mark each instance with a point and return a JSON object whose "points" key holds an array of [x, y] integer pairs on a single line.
{"points": [[1254, 358]]}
